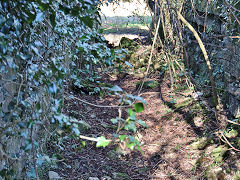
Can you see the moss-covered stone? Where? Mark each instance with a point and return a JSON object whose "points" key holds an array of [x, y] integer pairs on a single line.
{"points": [[129, 44], [218, 153], [143, 69], [201, 143], [148, 84], [236, 176], [157, 66], [185, 103], [238, 141], [231, 134]]}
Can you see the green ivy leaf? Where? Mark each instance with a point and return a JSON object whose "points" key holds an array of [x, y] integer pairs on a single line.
{"points": [[52, 88], [138, 107], [142, 123], [75, 11], [102, 142], [3, 47], [43, 6], [83, 143], [52, 18], [140, 99], [66, 10], [31, 173], [76, 131], [31, 16], [132, 115], [88, 21], [131, 146], [114, 120], [116, 89], [39, 17], [122, 137], [38, 106], [131, 126], [129, 64]]}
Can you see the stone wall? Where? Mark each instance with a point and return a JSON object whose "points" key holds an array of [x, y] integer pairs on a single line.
{"points": [[10, 146], [14, 118], [223, 50]]}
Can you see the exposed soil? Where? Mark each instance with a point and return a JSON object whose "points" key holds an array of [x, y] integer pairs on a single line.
{"points": [[165, 143], [175, 121]]}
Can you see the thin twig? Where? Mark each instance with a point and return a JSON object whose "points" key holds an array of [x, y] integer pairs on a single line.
{"points": [[150, 58], [91, 138], [229, 142], [19, 90], [91, 104], [119, 122], [230, 9], [235, 9], [233, 122], [205, 19], [88, 138]]}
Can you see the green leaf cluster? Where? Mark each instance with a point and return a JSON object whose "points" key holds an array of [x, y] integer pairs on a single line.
{"points": [[44, 46]]}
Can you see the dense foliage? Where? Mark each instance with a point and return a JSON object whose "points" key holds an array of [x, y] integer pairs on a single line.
{"points": [[43, 46]]}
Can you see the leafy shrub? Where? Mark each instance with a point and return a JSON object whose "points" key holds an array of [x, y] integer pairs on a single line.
{"points": [[44, 47]]}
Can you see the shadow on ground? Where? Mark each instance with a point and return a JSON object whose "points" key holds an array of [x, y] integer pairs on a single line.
{"points": [[165, 149]]}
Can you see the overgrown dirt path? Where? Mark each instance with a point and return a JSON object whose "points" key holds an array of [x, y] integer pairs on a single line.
{"points": [[165, 143], [178, 143]]}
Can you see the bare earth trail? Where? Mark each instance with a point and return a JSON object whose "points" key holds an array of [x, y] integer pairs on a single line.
{"points": [[165, 143]]}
